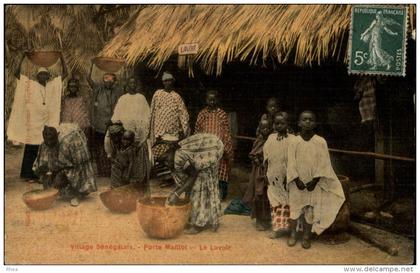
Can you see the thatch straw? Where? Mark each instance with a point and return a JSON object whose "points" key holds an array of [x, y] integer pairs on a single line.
{"points": [[301, 34], [77, 30]]}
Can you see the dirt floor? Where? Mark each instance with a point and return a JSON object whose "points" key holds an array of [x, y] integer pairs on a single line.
{"points": [[90, 234]]}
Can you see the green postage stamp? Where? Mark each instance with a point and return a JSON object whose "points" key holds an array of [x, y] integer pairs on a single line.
{"points": [[378, 40]]}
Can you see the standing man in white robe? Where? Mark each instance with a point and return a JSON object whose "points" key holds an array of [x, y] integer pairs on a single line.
{"points": [[133, 111], [314, 189], [37, 103]]}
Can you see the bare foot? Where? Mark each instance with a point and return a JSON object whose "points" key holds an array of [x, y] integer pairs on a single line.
{"points": [[215, 227], [74, 202], [192, 230], [274, 235], [260, 227], [32, 181]]}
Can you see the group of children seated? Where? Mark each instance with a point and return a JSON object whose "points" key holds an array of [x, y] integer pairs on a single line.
{"points": [[292, 184]]}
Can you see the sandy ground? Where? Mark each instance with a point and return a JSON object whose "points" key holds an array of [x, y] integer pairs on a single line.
{"points": [[90, 234]]}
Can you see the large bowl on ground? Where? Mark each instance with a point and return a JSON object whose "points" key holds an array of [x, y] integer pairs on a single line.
{"points": [[106, 64], [162, 221], [337, 232], [40, 199], [43, 58], [122, 199]]}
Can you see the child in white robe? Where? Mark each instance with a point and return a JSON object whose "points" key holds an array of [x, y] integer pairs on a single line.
{"points": [[315, 193], [276, 158]]}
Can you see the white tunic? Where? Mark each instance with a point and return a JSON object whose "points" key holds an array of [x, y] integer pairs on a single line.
{"points": [[29, 115], [307, 160], [275, 154], [134, 112]]}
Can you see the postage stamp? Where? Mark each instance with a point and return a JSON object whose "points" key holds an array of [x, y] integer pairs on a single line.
{"points": [[378, 40]]}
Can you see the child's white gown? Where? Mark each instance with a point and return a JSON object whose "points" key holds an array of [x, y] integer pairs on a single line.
{"points": [[307, 160]]}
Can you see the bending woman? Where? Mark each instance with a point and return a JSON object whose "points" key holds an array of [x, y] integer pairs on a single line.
{"points": [[194, 163]]}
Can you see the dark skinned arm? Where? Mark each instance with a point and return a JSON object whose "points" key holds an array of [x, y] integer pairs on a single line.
{"points": [[299, 184], [89, 77], [285, 183], [18, 68], [174, 197], [311, 185], [64, 73]]}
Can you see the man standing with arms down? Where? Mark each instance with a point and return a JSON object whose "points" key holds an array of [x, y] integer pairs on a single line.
{"points": [[169, 119], [37, 103]]}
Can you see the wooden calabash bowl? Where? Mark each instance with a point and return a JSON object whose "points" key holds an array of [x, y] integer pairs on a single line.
{"points": [[106, 64], [336, 233], [40, 199], [43, 58], [162, 221], [122, 199]]}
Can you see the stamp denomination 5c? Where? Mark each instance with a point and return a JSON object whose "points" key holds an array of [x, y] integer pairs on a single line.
{"points": [[378, 40]]}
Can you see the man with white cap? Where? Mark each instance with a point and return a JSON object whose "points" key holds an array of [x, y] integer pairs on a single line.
{"points": [[36, 104], [169, 119], [169, 116]]}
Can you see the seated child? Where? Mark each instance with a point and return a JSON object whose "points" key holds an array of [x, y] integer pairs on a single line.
{"points": [[276, 158], [214, 120], [256, 194], [315, 193], [122, 171], [272, 107]]}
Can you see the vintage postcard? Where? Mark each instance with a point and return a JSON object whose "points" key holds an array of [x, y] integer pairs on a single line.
{"points": [[210, 134]]}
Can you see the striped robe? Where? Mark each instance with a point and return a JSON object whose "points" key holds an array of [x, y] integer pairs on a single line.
{"points": [[217, 123], [75, 110]]}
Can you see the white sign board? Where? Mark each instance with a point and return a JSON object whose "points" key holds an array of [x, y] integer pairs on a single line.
{"points": [[188, 49]]}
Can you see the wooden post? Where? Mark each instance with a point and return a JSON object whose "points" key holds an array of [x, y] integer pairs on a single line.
{"points": [[390, 179], [379, 148]]}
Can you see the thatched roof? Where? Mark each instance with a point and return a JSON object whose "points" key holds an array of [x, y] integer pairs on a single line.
{"points": [[301, 34]]}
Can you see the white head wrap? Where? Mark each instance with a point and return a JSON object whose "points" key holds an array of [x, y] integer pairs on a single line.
{"points": [[43, 69], [167, 76]]}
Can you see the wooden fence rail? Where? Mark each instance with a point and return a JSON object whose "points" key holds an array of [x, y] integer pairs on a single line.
{"points": [[356, 153]]}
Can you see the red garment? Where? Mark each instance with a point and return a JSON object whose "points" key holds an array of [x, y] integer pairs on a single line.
{"points": [[216, 122], [159, 149], [75, 110], [280, 217]]}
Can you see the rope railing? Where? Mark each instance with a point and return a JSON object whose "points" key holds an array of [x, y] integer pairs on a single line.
{"points": [[356, 153]]}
